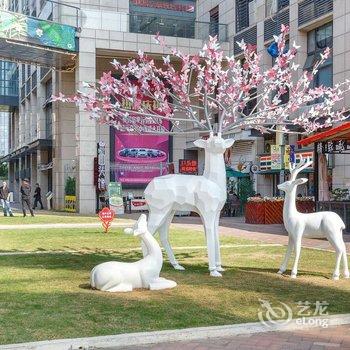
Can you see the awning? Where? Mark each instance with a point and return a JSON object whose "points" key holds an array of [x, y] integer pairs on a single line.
{"points": [[40, 144], [341, 132], [234, 173], [277, 171]]}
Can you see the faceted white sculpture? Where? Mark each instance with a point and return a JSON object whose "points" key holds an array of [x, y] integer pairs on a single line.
{"points": [[324, 224], [116, 276], [205, 195]]}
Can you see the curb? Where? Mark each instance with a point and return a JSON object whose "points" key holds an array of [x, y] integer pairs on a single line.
{"points": [[188, 334]]}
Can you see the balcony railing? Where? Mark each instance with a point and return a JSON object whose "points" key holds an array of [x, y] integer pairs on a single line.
{"points": [[43, 72], [249, 36], [23, 92], [176, 27], [309, 10], [272, 26], [28, 87], [34, 79]]}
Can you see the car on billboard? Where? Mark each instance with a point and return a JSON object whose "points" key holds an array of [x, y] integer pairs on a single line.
{"points": [[141, 153]]}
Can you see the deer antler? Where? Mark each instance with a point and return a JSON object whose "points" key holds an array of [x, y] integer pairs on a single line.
{"points": [[295, 168]]}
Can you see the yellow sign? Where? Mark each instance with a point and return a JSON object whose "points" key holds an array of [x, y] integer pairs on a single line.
{"points": [[286, 156], [70, 203]]}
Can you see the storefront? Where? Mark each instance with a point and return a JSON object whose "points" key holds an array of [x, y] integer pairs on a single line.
{"points": [[332, 181]]}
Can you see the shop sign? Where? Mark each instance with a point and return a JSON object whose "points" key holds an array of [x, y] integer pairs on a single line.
{"points": [[188, 166], [101, 167], [138, 205], [276, 157], [333, 146], [70, 204], [165, 5], [44, 167]]}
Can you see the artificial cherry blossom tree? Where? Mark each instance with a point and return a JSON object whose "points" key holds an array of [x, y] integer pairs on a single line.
{"points": [[192, 91]]}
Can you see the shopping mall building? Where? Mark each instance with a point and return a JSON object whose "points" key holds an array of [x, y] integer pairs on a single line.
{"points": [[60, 46]]}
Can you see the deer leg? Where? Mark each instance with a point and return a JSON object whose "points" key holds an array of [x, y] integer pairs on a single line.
{"points": [[164, 238], [209, 223], [338, 246], [155, 220], [345, 261], [284, 264], [297, 248], [217, 245]]}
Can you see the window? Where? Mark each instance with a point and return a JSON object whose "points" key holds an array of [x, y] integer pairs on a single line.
{"points": [[14, 6], [317, 40], [48, 120], [273, 6], [214, 21], [245, 14]]}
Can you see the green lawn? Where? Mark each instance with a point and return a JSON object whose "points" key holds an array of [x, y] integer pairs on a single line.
{"points": [[55, 218], [47, 296]]}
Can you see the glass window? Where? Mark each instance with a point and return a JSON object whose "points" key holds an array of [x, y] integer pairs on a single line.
{"points": [[214, 21], [317, 40]]}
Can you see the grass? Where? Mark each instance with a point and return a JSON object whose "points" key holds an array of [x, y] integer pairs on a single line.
{"points": [[55, 218], [47, 296]]}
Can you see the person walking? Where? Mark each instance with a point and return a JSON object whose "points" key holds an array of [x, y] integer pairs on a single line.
{"points": [[37, 197], [5, 199], [25, 197]]}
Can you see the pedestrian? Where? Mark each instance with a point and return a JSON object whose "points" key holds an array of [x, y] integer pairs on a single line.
{"points": [[5, 199], [25, 197], [37, 197]]}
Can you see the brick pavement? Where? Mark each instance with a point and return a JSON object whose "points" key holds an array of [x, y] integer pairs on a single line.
{"points": [[312, 339]]}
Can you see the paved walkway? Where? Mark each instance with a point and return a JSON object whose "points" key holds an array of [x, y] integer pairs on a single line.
{"points": [[312, 339]]}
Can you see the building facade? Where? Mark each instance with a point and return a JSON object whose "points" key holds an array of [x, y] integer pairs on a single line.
{"points": [[55, 144]]}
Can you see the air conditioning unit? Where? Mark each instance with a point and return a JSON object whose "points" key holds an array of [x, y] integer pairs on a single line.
{"points": [[252, 12], [271, 7]]}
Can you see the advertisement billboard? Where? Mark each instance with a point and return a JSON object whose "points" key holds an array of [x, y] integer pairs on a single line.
{"points": [[141, 157], [30, 30]]}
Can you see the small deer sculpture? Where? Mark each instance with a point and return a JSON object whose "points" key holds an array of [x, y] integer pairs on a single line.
{"points": [[116, 276], [324, 224], [205, 195]]}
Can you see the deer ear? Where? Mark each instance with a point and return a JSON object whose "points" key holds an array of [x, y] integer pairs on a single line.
{"points": [[200, 143], [228, 143]]}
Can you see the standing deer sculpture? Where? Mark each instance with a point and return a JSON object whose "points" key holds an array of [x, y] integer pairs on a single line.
{"points": [[204, 194], [324, 224]]}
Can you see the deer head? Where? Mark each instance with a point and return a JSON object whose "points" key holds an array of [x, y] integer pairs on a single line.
{"points": [[214, 144], [140, 227], [295, 169]]}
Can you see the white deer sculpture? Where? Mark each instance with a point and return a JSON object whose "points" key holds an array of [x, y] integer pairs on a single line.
{"points": [[324, 224], [114, 276], [205, 195]]}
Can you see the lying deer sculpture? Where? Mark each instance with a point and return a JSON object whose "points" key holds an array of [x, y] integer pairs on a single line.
{"points": [[205, 195], [116, 276], [324, 224]]}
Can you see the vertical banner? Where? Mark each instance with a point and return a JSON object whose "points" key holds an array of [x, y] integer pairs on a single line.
{"points": [[292, 154], [141, 157], [101, 167], [276, 157], [286, 158], [115, 197]]}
